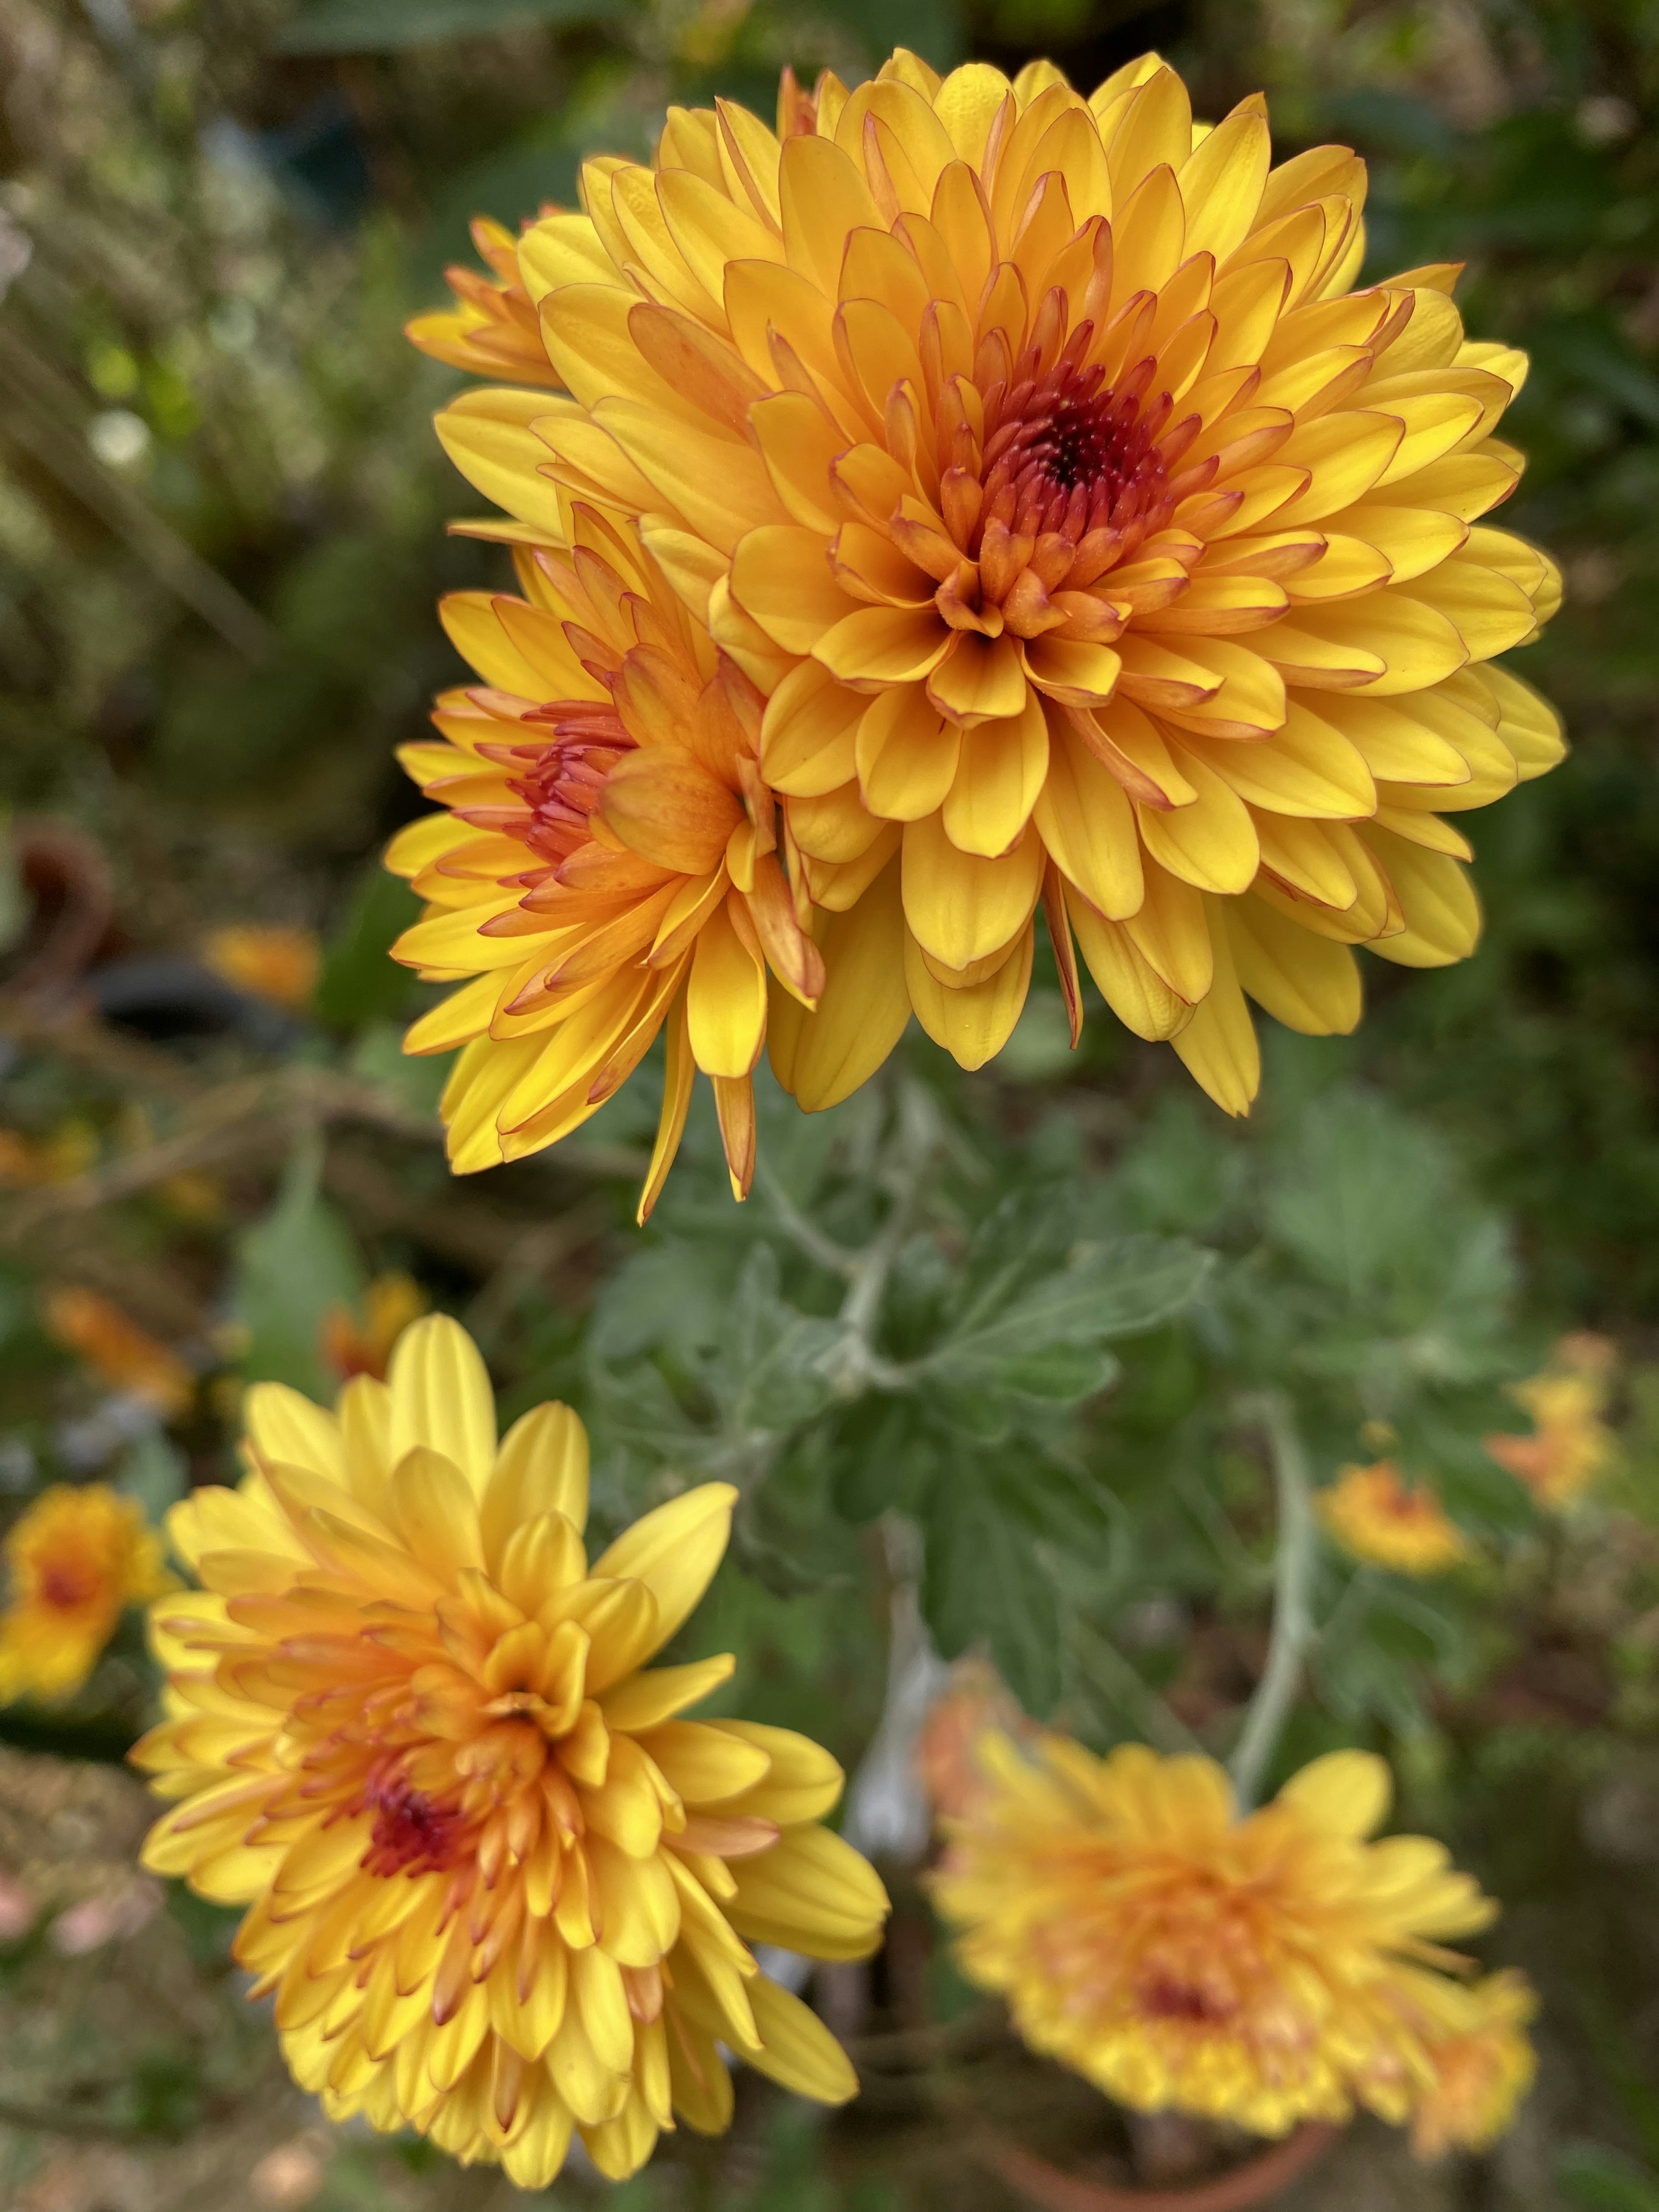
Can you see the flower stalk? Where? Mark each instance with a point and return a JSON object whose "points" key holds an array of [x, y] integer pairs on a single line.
{"points": [[1293, 1630]]}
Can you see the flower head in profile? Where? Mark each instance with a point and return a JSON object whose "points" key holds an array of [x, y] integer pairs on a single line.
{"points": [[609, 863], [492, 330], [1373, 1513], [1570, 1445], [1094, 545], [76, 1559], [118, 1351], [1482, 2059], [1185, 1959], [501, 1889]]}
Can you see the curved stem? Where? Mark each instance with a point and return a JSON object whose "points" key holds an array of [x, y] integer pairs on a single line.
{"points": [[1294, 1623]]}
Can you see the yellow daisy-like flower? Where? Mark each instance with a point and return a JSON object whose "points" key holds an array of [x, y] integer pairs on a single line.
{"points": [[77, 1558], [1093, 544], [1184, 1959], [1374, 1514], [1482, 2057], [500, 1888], [1570, 1445], [609, 862], [492, 330]]}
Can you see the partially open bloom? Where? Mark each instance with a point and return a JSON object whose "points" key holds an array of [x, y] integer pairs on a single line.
{"points": [[77, 1558], [1184, 1959], [500, 1888], [1092, 543], [1570, 1445], [113, 1346], [356, 1344], [492, 329], [609, 863], [267, 960], [1376, 1515], [1481, 2055]]}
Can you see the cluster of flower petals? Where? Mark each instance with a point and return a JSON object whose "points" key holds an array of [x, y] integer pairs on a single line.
{"points": [[1375, 1515], [501, 1890], [1091, 543], [1263, 1971]]}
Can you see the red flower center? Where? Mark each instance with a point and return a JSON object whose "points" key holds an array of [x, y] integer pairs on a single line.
{"points": [[1165, 1998], [66, 1585], [411, 1834]]}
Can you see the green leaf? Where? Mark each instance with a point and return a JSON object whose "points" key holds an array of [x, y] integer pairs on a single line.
{"points": [[154, 1474], [1590, 2175], [369, 27], [413, 1081], [988, 1523], [361, 982], [1021, 1342], [293, 1267]]}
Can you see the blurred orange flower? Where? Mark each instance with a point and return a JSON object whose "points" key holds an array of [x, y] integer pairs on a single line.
{"points": [[78, 1557], [1376, 1515], [1482, 2059], [353, 1347], [975, 1701], [267, 961], [126, 1356], [1571, 1444]]}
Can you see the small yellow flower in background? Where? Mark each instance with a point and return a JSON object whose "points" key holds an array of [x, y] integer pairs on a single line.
{"points": [[1482, 2059], [493, 329], [362, 1346], [1184, 1959], [500, 1888], [26, 1163], [127, 1358], [268, 961], [77, 1558], [1092, 545], [1374, 1513], [1570, 1445]]}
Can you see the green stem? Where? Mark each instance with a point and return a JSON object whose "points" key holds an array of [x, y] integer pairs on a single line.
{"points": [[1293, 1630]]}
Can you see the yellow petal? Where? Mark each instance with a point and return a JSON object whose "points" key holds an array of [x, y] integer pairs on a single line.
{"points": [[283, 1425], [797, 2048], [657, 1695], [822, 1057], [674, 1552], [974, 1021], [1128, 982], [962, 908], [1002, 770], [704, 1762], [1345, 1792], [811, 1892], [803, 1783], [541, 1468], [726, 1001], [440, 1396], [436, 1513], [1218, 1045], [1308, 983]]}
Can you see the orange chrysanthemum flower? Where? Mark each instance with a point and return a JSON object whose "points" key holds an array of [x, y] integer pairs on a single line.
{"points": [[1184, 1959], [1093, 543], [609, 862], [500, 1888], [492, 330], [267, 960], [1570, 1445], [77, 1558], [1374, 1514], [1481, 2055]]}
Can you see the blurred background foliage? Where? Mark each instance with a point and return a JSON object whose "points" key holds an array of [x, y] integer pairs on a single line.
{"points": [[982, 1352]]}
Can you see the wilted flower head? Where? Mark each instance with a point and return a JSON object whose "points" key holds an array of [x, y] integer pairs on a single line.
{"points": [[609, 865], [117, 1350], [500, 1888], [1376, 1515], [1185, 1959], [77, 1558], [1092, 544], [1570, 1445]]}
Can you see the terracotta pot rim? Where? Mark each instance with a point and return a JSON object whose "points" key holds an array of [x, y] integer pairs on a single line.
{"points": [[1255, 2181]]}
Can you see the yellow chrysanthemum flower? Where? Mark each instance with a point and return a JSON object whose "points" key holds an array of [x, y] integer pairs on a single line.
{"points": [[1403, 1526], [1182, 1958], [1570, 1445], [500, 1888], [609, 862], [77, 1558], [1092, 543], [492, 330], [1482, 2059]]}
